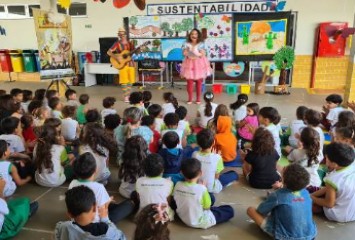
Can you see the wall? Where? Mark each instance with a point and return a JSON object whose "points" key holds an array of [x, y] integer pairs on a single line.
{"points": [[105, 20]]}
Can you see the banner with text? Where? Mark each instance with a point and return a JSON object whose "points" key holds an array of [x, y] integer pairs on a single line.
{"points": [[213, 7]]}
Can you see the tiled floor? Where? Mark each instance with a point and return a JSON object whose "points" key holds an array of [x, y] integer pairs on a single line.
{"points": [[239, 195]]}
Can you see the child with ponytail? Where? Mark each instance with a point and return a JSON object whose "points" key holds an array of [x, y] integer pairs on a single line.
{"points": [[239, 109], [171, 103], [206, 112]]}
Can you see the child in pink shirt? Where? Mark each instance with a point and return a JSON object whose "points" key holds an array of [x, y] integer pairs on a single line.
{"points": [[248, 123]]}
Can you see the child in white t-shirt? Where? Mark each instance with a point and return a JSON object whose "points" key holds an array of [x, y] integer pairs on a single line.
{"points": [[212, 164], [331, 110], [206, 112], [108, 103], [71, 97], [171, 103], [194, 203], [337, 198], [171, 121], [268, 117], [11, 127], [8, 171], [70, 127], [84, 169], [136, 100], [153, 188], [313, 119], [51, 157], [156, 111], [56, 106], [239, 108], [183, 124], [296, 126]]}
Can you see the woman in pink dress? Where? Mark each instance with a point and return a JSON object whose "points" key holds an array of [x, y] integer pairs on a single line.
{"points": [[195, 66]]}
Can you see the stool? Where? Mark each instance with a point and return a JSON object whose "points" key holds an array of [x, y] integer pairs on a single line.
{"points": [[217, 88], [231, 88], [245, 89]]}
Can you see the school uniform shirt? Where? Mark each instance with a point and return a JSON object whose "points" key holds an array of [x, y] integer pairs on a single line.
{"points": [[179, 133], [275, 131], [159, 123], [105, 112], [184, 126], [168, 108], [55, 177], [4, 210], [99, 190], [142, 108], [73, 103], [16, 144], [24, 106], [300, 157], [343, 181], [296, 126], [211, 164], [126, 188], [193, 202], [5, 173], [102, 171], [240, 113], [203, 121], [69, 127], [321, 141], [154, 190], [333, 115], [56, 114]]}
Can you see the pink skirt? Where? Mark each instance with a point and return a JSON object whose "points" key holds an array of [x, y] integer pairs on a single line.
{"points": [[198, 68]]}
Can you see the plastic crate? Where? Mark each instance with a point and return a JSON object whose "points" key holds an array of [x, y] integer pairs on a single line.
{"points": [[245, 89]]}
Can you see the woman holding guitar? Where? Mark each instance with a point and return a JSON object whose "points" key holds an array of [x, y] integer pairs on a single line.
{"points": [[195, 66], [127, 72]]}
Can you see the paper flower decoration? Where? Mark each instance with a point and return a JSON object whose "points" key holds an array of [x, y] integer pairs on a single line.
{"points": [[64, 3]]}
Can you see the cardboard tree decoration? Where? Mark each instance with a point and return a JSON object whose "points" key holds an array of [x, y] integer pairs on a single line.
{"points": [[284, 59]]}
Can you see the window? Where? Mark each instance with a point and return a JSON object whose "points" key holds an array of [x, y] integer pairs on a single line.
{"points": [[16, 11], [77, 9], [61, 10], [33, 6], [2, 12]]}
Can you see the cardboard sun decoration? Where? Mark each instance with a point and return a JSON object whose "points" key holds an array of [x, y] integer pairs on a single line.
{"points": [[123, 3], [64, 3]]}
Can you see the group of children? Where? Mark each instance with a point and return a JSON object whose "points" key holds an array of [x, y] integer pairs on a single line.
{"points": [[169, 165]]}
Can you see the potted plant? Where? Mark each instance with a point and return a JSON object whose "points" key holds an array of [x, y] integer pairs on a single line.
{"points": [[284, 59]]}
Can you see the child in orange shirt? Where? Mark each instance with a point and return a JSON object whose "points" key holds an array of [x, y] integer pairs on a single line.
{"points": [[225, 140]]}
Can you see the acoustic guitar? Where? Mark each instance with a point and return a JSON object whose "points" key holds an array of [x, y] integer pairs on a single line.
{"points": [[122, 59]]}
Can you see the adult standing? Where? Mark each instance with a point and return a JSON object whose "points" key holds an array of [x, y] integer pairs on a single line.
{"points": [[195, 67], [127, 73]]}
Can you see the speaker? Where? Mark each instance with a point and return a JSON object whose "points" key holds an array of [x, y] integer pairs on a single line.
{"points": [[105, 45]]}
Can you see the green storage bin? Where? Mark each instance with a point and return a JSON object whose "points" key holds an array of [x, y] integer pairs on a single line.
{"points": [[29, 60]]}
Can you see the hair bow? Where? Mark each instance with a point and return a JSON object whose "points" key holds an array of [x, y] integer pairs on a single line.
{"points": [[161, 214]]}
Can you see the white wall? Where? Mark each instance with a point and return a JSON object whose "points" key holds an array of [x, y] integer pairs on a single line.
{"points": [[105, 20]]}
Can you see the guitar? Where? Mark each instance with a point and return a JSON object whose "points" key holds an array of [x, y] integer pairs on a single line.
{"points": [[125, 57]]}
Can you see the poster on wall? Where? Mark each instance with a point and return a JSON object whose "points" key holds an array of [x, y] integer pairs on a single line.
{"points": [[144, 27], [172, 49], [260, 36], [219, 49], [54, 45], [150, 51], [176, 26]]}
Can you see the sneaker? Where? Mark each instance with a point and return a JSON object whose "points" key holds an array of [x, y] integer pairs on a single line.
{"points": [[198, 103], [189, 103], [33, 208]]}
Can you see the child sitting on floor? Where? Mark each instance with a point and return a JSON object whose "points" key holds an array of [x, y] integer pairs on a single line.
{"points": [[28, 133], [156, 111], [85, 171], [94, 140], [259, 163], [147, 96], [152, 223], [8, 172], [206, 112], [111, 122], [54, 166], [17, 95], [249, 122], [183, 124], [82, 208], [153, 188], [239, 109], [135, 152], [337, 197], [268, 117], [171, 103], [108, 103], [172, 156], [212, 164], [12, 134], [27, 98], [70, 127], [71, 97], [345, 135], [287, 212], [331, 110], [225, 140], [313, 119], [154, 145], [308, 156], [56, 106], [40, 115], [136, 100], [194, 204], [93, 116], [171, 121], [82, 109], [296, 126], [345, 119]]}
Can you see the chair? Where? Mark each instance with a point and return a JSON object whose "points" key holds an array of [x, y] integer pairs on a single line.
{"points": [[151, 67]]}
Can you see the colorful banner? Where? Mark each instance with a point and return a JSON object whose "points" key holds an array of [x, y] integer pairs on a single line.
{"points": [[54, 37], [213, 7]]}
